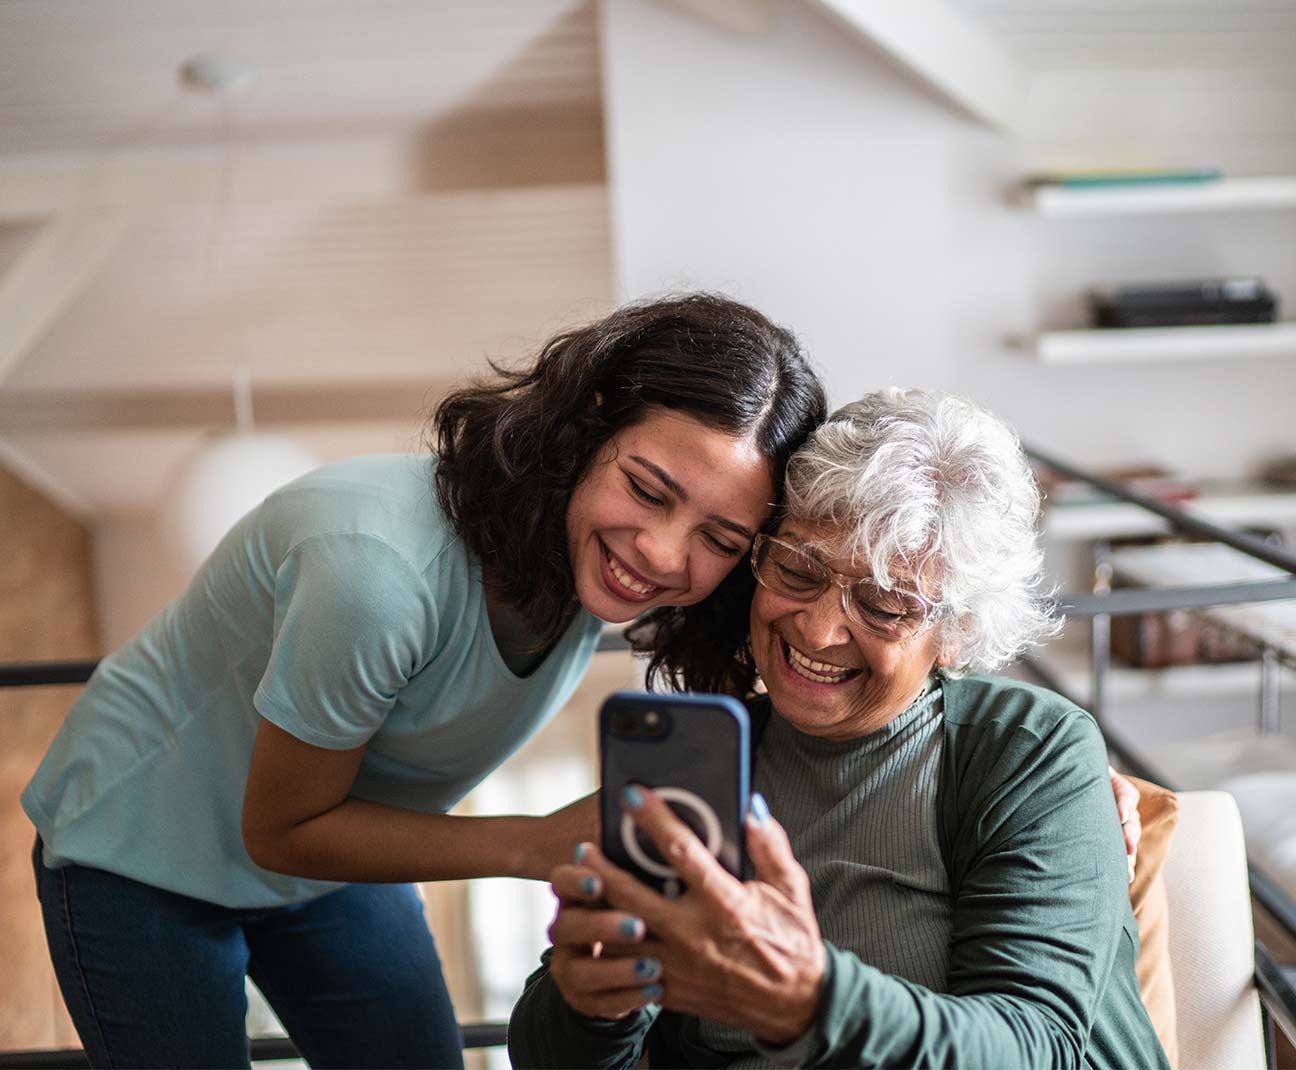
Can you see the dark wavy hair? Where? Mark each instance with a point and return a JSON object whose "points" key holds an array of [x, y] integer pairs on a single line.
{"points": [[514, 446]]}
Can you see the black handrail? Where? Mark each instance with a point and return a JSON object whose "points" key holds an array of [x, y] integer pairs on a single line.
{"points": [[476, 1035], [1180, 520], [1125, 601], [46, 673], [1275, 986]]}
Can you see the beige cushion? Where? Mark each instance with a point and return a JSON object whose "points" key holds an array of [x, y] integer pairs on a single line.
{"points": [[1211, 938], [1159, 814]]}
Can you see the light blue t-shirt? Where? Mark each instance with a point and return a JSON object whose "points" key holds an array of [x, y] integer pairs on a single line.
{"points": [[345, 610]]}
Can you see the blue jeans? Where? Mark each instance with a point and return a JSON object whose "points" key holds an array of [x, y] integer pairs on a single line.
{"points": [[155, 979]]}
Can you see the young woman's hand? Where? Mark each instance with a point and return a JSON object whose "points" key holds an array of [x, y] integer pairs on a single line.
{"points": [[747, 954], [1127, 800], [557, 834]]}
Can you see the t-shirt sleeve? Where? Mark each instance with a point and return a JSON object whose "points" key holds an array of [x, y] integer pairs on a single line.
{"points": [[353, 621]]}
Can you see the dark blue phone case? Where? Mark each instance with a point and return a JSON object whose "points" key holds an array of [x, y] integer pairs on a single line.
{"points": [[700, 764]]}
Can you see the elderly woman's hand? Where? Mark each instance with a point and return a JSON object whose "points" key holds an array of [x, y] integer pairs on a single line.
{"points": [[595, 962], [746, 954]]}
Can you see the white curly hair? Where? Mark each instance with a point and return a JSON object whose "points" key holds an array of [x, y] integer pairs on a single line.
{"points": [[929, 489]]}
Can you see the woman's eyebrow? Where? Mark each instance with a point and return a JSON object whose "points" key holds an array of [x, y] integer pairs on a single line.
{"points": [[663, 475], [669, 482]]}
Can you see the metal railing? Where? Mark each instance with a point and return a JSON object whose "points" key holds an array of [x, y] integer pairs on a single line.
{"points": [[482, 1035]]}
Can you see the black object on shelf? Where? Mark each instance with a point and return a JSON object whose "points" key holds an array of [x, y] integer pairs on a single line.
{"points": [[1188, 303]]}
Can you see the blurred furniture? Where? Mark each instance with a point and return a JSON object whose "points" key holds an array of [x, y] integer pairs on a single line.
{"points": [[1211, 937], [1268, 626]]}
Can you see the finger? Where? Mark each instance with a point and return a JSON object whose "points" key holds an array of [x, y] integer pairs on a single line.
{"points": [[1133, 830], [583, 927], [1127, 796], [771, 853], [697, 867], [626, 892], [613, 1005], [589, 994], [600, 976], [576, 884]]}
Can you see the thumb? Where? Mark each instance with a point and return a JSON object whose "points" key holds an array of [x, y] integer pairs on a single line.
{"points": [[771, 853]]}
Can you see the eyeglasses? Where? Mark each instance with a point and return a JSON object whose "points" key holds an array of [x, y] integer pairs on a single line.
{"points": [[792, 572]]}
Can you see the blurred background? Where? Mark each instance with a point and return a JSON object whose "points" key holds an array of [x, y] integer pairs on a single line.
{"points": [[241, 238]]}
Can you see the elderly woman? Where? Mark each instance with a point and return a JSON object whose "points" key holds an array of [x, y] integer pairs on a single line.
{"points": [[945, 884]]}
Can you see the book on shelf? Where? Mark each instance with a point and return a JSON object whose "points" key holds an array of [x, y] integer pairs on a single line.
{"points": [[1184, 303], [1124, 178]]}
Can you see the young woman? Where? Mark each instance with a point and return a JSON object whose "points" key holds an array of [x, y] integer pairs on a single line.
{"points": [[249, 786]]}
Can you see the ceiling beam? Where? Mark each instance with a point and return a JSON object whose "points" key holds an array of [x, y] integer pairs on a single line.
{"points": [[65, 255], [38, 478], [208, 408], [960, 60], [480, 151]]}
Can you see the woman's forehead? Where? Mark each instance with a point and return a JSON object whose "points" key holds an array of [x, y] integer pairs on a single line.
{"points": [[839, 546], [833, 543]]}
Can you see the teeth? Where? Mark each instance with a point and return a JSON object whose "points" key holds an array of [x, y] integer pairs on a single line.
{"points": [[626, 580], [821, 672]]}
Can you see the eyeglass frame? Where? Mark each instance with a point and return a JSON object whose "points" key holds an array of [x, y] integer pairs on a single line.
{"points": [[932, 611]]}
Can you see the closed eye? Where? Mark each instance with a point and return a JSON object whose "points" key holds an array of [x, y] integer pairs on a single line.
{"points": [[794, 578], [641, 492], [721, 546]]}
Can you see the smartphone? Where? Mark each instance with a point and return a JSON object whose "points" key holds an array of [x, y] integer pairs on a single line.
{"points": [[693, 751]]}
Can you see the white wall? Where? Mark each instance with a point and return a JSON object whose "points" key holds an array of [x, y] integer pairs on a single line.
{"points": [[802, 171]]}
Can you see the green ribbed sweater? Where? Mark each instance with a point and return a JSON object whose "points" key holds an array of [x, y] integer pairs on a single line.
{"points": [[1041, 946]]}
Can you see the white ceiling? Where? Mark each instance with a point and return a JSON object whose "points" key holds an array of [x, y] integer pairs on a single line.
{"points": [[78, 75], [406, 189], [1054, 35]]}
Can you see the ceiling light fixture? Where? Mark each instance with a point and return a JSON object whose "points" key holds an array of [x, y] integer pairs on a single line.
{"points": [[227, 478], [223, 73]]}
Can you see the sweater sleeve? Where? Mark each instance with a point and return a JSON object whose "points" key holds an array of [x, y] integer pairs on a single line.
{"points": [[1040, 910], [544, 1031]]}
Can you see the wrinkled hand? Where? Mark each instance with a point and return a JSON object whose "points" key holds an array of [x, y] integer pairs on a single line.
{"points": [[1127, 800], [746, 954], [594, 961]]}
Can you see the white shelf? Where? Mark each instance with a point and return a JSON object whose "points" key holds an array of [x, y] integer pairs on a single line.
{"points": [[1221, 195], [1231, 506], [1166, 343]]}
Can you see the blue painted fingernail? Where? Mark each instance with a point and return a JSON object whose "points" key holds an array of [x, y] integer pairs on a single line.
{"points": [[759, 808], [589, 886], [633, 797], [630, 927], [651, 991], [647, 969], [581, 848]]}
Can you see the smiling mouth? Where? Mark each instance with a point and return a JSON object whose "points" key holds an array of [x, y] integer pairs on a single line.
{"points": [[631, 587], [818, 672]]}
